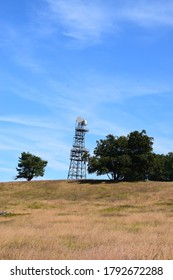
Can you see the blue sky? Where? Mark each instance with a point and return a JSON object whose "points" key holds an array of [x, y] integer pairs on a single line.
{"points": [[108, 61]]}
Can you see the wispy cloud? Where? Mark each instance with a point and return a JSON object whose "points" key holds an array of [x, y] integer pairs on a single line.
{"points": [[20, 46], [91, 20], [4, 169], [47, 141], [149, 13], [72, 97], [81, 20], [31, 121]]}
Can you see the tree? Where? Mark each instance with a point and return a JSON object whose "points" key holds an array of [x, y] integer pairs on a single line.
{"points": [[30, 166], [157, 170], [140, 152], [169, 166], [125, 157], [110, 157], [162, 168]]}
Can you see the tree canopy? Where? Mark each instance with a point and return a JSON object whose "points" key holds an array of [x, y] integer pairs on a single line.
{"points": [[110, 157], [130, 158], [30, 166]]}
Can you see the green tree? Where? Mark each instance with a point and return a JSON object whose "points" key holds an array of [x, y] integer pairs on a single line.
{"points": [[140, 152], [30, 166], [162, 168], [157, 170], [110, 158], [125, 157], [169, 166]]}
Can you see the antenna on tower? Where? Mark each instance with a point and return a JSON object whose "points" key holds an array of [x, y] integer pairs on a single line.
{"points": [[77, 168]]}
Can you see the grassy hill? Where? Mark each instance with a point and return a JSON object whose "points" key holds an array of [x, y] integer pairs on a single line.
{"points": [[88, 219]]}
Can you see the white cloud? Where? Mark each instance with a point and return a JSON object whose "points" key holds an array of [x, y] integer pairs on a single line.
{"points": [[90, 20], [20, 45], [50, 144], [31, 121], [86, 21], [81, 20], [149, 13], [5, 169]]}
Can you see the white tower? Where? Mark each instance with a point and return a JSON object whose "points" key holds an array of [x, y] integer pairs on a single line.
{"points": [[77, 168]]}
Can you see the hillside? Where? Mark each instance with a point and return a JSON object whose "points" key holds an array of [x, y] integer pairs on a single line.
{"points": [[88, 219]]}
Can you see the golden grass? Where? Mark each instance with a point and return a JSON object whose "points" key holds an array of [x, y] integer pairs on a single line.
{"points": [[86, 220]]}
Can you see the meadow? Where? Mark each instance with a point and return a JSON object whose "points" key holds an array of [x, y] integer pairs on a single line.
{"points": [[88, 219]]}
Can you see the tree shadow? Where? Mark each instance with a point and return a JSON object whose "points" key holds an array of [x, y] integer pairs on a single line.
{"points": [[95, 181]]}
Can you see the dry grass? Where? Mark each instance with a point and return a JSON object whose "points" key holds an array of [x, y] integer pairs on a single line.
{"points": [[86, 220]]}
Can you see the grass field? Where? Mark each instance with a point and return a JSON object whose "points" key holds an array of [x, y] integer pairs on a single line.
{"points": [[86, 220]]}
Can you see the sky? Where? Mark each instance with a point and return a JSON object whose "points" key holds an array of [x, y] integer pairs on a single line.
{"points": [[110, 62]]}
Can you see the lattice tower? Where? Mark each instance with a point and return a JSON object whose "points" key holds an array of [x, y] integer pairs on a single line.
{"points": [[77, 168]]}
